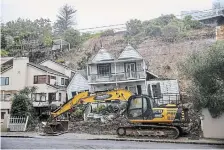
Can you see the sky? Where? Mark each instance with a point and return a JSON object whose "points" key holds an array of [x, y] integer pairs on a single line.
{"points": [[94, 13]]}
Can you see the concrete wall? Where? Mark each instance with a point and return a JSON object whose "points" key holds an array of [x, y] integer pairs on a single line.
{"points": [[212, 127]]}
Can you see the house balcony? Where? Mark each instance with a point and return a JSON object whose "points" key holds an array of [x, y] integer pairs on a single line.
{"points": [[118, 77]]}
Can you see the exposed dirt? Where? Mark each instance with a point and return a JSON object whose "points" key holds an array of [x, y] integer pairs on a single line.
{"points": [[96, 127]]}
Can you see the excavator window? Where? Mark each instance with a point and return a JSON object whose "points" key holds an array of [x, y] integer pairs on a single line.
{"points": [[138, 106]]}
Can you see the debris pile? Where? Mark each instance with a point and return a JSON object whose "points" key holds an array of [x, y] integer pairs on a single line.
{"points": [[97, 127], [194, 127]]}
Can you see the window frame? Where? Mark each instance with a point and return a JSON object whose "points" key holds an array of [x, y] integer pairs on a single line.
{"points": [[36, 79], [63, 79], [34, 95], [103, 67], [59, 97], [3, 116], [5, 81]]}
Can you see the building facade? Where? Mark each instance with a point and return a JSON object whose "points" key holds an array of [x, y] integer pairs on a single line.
{"points": [[105, 72], [19, 73]]}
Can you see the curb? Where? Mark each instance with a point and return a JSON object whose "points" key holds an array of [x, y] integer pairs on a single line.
{"points": [[9, 136], [159, 141]]}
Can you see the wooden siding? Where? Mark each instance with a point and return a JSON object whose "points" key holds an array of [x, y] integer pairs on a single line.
{"points": [[78, 83], [102, 55], [130, 52]]}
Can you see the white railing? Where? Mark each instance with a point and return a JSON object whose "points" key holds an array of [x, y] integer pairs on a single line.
{"points": [[17, 123]]}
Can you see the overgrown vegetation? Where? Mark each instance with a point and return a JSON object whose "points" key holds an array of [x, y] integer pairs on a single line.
{"points": [[206, 71], [22, 105], [167, 27]]}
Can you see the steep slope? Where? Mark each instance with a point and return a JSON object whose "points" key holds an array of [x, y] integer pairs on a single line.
{"points": [[162, 57]]}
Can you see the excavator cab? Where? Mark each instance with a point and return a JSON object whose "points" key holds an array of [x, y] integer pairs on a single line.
{"points": [[140, 107], [147, 119]]}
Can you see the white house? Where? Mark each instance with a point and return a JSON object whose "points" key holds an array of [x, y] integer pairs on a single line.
{"points": [[164, 91], [78, 83], [128, 71], [20, 73]]}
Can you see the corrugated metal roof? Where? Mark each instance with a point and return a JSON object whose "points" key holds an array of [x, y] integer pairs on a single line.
{"points": [[129, 52], [102, 55]]}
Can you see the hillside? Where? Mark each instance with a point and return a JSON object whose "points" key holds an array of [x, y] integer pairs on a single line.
{"points": [[162, 57]]}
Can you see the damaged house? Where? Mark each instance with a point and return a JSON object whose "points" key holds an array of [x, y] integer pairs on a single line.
{"points": [[105, 72]]}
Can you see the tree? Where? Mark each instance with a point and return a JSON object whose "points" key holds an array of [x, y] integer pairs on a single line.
{"points": [[65, 19], [191, 24], [3, 41], [27, 30], [134, 27], [152, 30], [163, 20], [22, 104], [206, 71], [170, 32], [73, 37]]}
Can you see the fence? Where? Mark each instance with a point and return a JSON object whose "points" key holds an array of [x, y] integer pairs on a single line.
{"points": [[17, 123]]}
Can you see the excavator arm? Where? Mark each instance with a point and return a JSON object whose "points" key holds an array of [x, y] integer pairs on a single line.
{"points": [[68, 105], [120, 94]]}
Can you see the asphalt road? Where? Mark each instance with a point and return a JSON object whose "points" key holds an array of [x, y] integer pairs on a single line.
{"points": [[55, 143]]}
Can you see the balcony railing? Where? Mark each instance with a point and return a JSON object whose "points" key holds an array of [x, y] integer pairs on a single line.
{"points": [[120, 76]]}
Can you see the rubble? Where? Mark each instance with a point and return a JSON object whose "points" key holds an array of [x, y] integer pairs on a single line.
{"points": [[194, 127], [107, 119], [97, 127]]}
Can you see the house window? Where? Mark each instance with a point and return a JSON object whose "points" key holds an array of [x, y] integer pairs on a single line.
{"points": [[40, 79], [104, 69], [51, 97], [66, 82], [2, 115], [73, 94], [156, 90], [39, 97], [59, 96], [62, 81], [4, 81]]}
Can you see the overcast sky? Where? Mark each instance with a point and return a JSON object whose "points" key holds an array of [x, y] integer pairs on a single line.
{"points": [[92, 13]]}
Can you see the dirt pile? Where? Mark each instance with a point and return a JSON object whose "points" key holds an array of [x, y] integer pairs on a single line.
{"points": [[194, 127], [97, 127]]}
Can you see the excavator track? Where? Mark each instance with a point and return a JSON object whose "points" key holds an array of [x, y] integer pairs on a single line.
{"points": [[169, 132]]}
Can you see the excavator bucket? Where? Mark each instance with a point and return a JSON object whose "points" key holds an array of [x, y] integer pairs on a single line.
{"points": [[56, 127]]}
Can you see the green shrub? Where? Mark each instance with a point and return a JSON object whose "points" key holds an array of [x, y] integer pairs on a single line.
{"points": [[206, 70]]}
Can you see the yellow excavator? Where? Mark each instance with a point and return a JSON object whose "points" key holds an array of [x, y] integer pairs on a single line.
{"points": [[149, 119], [56, 126], [145, 116]]}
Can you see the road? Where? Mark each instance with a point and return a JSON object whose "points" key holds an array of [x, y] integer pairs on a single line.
{"points": [[56, 143]]}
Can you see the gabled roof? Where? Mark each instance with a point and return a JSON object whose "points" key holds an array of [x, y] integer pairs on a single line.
{"points": [[46, 69], [5, 59], [56, 63], [102, 55], [83, 73], [7, 64], [129, 52]]}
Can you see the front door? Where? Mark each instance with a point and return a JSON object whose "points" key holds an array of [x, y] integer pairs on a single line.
{"points": [[130, 70]]}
